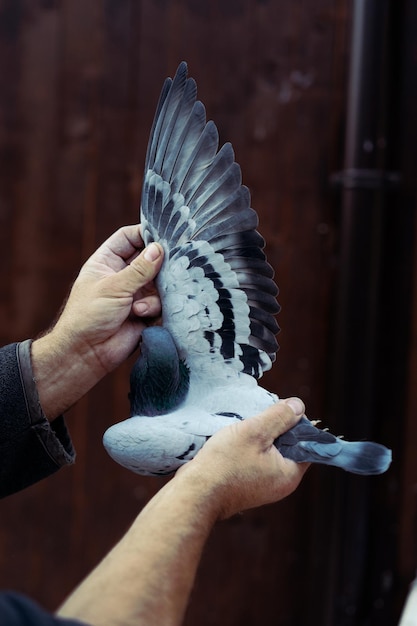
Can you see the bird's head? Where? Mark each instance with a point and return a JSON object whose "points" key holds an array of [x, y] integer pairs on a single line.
{"points": [[159, 379]]}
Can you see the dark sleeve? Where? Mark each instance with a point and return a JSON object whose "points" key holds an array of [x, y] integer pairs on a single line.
{"points": [[31, 447], [17, 610]]}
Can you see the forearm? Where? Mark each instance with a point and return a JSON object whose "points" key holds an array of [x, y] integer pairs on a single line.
{"points": [[148, 576]]}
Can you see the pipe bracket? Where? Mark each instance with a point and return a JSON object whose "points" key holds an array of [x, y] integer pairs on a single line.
{"points": [[355, 178]]}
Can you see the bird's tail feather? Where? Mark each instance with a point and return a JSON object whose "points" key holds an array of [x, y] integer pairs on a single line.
{"points": [[306, 443], [359, 457]]}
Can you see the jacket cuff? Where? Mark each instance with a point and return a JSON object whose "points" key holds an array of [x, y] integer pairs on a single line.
{"points": [[53, 435]]}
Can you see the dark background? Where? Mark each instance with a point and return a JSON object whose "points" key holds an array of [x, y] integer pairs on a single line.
{"points": [[79, 81]]}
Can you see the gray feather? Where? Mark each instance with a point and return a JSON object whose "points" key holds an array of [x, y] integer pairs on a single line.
{"points": [[218, 306]]}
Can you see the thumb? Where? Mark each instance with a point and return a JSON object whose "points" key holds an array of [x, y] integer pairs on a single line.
{"points": [[277, 419], [141, 270]]}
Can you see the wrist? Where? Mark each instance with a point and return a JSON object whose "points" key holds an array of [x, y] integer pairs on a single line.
{"points": [[206, 489], [63, 371]]}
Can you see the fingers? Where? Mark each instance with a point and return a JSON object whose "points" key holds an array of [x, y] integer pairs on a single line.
{"points": [[121, 246], [296, 405], [140, 271], [124, 242], [147, 307], [277, 419]]}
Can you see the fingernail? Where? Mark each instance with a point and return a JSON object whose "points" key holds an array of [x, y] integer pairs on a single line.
{"points": [[152, 252], [297, 405], [141, 308]]}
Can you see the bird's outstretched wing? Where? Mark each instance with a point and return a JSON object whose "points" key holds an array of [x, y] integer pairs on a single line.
{"points": [[218, 301], [217, 290]]}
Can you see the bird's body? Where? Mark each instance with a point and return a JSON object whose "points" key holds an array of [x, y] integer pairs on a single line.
{"points": [[198, 372], [159, 445]]}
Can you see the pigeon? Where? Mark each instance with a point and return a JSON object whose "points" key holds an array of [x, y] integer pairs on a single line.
{"points": [[198, 371]]}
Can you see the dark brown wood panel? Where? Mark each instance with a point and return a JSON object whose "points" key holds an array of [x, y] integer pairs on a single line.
{"points": [[79, 82]]}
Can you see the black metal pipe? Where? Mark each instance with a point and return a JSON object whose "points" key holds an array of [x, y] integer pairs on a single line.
{"points": [[366, 185], [366, 145], [369, 30]]}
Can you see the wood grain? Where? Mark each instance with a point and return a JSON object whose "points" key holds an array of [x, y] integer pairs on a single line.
{"points": [[79, 82]]}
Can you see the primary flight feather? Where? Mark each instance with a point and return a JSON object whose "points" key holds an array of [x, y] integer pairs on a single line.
{"points": [[198, 372]]}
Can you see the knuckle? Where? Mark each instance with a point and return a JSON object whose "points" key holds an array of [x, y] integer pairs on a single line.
{"points": [[142, 270]]}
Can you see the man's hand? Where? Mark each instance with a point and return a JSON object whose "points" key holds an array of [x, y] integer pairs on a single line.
{"points": [[101, 323], [240, 466], [114, 287]]}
